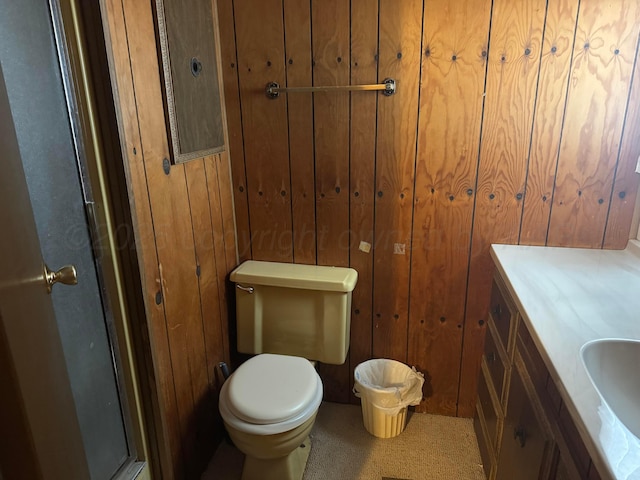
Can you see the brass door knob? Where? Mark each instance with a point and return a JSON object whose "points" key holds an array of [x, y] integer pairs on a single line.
{"points": [[66, 275]]}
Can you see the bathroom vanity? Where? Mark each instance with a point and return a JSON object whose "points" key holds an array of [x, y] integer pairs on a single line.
{"points": [[538, 415]]}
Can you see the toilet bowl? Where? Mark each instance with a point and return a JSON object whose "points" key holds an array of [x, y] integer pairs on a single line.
{"points": [[269, 405]]}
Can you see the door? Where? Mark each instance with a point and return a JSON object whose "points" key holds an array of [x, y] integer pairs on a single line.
{"points": [[44, 219]]}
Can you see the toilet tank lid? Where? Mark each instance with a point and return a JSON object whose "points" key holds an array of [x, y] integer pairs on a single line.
{"points": [[295, 275]]}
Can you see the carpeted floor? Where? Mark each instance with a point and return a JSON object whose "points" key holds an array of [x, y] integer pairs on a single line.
{"points": [[431, 447]]}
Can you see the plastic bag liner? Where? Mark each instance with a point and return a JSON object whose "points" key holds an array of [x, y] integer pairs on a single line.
{"points": [[388, 385]]}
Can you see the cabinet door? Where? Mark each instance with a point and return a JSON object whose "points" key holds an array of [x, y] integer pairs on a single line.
{"points": [[524, 441]]}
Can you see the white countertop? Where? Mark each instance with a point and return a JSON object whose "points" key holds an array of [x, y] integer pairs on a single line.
{"points": [[568, 296]]}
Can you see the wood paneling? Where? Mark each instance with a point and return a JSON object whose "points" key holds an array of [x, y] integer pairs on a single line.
{"points": [[297, 26], [603, 59], [229, 70], [453, 72], [512, 74], [547, 129], [185, 241], [264, 124], [625, 188], [364, 70], [400, 35], [477, 122]]}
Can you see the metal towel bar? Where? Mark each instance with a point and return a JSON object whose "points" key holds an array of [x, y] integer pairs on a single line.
{"points": [[388, 87]]}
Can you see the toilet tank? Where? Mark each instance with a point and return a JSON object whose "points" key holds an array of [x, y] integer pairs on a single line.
{"points": [[293, 309]]}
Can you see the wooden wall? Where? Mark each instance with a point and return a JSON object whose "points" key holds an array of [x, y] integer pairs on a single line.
{"points": [[513, 122], [185, 240]]}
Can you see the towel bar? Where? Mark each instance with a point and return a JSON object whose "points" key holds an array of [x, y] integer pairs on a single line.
{"points": [[388, 87]]}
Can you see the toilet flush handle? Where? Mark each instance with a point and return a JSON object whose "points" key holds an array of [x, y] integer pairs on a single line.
{"points": [[244, 289]]}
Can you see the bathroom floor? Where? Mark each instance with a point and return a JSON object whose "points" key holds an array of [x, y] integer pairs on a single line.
{"points": [[431, 447]]}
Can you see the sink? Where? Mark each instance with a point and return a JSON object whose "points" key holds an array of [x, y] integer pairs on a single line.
{"points": [[613, 365]]}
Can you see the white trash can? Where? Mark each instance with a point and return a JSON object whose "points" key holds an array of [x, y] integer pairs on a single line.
{"points": [[386, 387]]}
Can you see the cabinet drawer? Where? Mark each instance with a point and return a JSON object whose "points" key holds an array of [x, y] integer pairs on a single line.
{"points": [[490, 410], [526, 448], [496, 360], [503, 314], [537, 370]]}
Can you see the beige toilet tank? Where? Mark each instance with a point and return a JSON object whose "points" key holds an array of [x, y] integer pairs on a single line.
{"points": [[293, 309]]}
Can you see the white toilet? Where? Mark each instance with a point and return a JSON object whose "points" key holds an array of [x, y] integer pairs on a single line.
{"points": [[288, 314]]}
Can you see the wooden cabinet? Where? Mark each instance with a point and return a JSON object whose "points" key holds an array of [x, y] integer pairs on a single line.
{"points": [[524, 430]]}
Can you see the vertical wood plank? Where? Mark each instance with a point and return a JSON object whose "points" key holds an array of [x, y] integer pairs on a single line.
{"points": [[331, 58], [260, 47], [364, 70], [514, 58], [331, 66], [297, 27], [118, 52], [225, 194], [625, 187], [399, 57], [556, 52], [209, 298], [223, 267], [229, 62], [603, 61], [453, 74]]}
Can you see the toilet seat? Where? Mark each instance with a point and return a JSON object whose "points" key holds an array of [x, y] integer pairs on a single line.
{"points": [[271, 394]]}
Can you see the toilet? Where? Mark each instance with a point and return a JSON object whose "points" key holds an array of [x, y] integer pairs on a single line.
{"points": [[289, 316]]}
